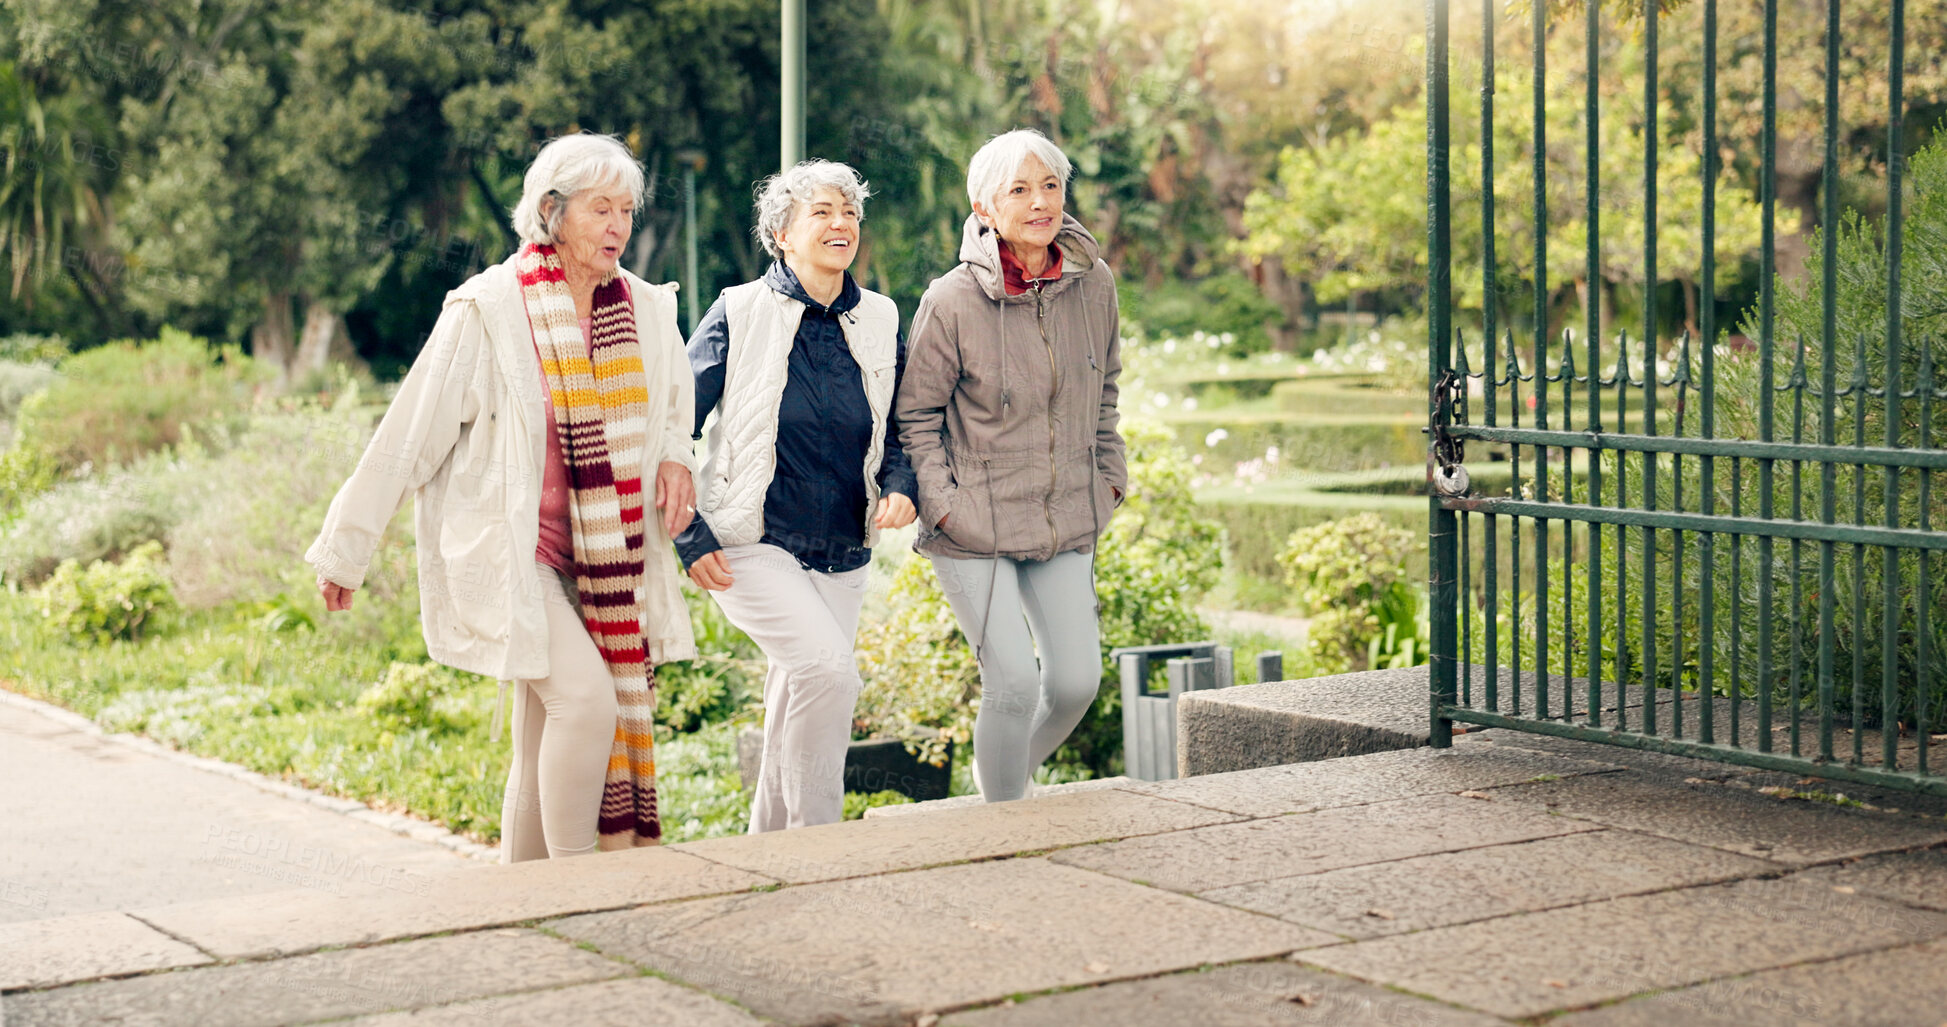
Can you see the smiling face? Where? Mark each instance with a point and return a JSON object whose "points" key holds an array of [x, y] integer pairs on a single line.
{"points": [[822, 235], [1027, 214], [595, 228]]}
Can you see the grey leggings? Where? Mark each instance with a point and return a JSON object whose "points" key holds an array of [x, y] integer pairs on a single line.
{"points": [[1008, 610]]}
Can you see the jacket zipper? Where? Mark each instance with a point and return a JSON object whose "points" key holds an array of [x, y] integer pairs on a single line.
{"points": [[1054, 390]]}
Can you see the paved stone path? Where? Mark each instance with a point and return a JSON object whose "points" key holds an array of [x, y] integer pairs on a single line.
{"points": [[1507, 880], [98, 823]]}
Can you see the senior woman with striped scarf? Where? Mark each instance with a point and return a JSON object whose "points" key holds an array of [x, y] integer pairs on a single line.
{"points": [[546, 412]]}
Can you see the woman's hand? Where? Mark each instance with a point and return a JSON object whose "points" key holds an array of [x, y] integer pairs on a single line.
{"points": [[675, 496], [895, 511], [711, 572], [337, 597]]}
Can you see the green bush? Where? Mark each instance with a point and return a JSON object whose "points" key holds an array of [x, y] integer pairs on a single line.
{"points": [[1257, 530], [101, 517], [119, 401], [1350, 574], [856, 803], [109, 600], [1225, 307], [407, 697], [1860, 306], [32, 349], [1158, 558], [725, 679]]}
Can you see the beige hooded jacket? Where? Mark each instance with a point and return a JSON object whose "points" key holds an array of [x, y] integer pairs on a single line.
{"points": [[1008, 405]]}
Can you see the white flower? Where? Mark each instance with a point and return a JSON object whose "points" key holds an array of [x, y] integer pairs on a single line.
{"points": [[1196, 336], [1223, 368], [1162, 400], [1216, 435], [1196, 459], [1169, 345], [1271, 455], [1228, 338], [1189, 402]]}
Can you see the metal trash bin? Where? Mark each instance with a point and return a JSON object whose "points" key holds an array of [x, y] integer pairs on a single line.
{"points": [[1148, 716]]}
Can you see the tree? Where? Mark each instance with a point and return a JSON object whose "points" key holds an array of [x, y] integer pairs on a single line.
{"points": [[1351, 212]]}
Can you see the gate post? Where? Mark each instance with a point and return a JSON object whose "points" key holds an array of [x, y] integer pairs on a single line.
{"points": [[1443, 553]]}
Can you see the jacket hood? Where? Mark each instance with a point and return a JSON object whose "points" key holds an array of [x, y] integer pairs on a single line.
{"points": [[980, 251], [781, 278]]}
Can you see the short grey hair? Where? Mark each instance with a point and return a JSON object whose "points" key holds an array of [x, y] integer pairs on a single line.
{"points": [[779, 196], [993, 167], [565, 167]]}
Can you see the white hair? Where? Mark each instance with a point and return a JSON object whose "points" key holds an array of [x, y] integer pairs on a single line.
{"points": [[779, 196], [995, 165], [565, 167]]}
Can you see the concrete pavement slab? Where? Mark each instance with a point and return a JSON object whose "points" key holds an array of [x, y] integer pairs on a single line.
{"points": [[1458, 887], [322, 986], [885, 949], [1915, 878], [628, 1002], [1306, 843], [1240, 995], [1726, 816], [300, 921], [37, 953], [1570, 958], [877, 846], [94, 824], [1900, 987], [1274, 791]]}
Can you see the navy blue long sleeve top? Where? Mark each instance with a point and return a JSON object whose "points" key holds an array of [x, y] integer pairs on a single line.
{"points": [[815, 505]]}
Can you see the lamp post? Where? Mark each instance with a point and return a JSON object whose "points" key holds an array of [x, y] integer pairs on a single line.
{"points": [[791, 59], [692, 162]]}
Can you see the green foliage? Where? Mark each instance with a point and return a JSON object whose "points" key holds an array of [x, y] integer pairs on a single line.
{"points": [[1351, 576], [698, 791], [1859, 358], [407, 696], [109, 601], [23, 348], [856, 803], [1350, 213], [725, 680], [117, 402], [1157, 559], [1226, 305]]}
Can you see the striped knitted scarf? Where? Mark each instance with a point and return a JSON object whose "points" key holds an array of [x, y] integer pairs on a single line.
{"points": [[601, 411]]}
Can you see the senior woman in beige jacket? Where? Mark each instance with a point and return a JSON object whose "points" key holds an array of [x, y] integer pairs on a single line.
{"points": [[550, 405], [1008, 414]]}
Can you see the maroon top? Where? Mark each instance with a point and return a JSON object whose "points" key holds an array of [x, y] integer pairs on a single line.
{"points": [[1014, 274], [557, 546]]}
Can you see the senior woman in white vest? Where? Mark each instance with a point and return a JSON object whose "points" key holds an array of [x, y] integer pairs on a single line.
{"points": [[548, 407], [803, 469], [1008, 413]]}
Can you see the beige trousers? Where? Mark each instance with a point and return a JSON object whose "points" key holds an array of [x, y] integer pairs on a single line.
{"points": [[564, 729]]}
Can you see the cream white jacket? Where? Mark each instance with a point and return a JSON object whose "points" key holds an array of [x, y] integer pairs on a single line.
{"points": [[466, 437]]}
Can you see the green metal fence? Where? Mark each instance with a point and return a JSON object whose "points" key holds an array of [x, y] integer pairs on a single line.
{"points": [[1768, 595]]}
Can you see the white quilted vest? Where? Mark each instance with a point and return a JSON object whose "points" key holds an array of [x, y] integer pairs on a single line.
{"points": [[741, 443]]}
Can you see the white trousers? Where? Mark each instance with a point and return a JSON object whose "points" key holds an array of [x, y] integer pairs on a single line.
{"points": [[805, 621], [564, 729]]}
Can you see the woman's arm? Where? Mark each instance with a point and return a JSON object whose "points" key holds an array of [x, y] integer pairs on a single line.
{"points": [[895, 471], [443, 391], [709, 350], [674, 469], [932, 374], [1110, 451]]}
